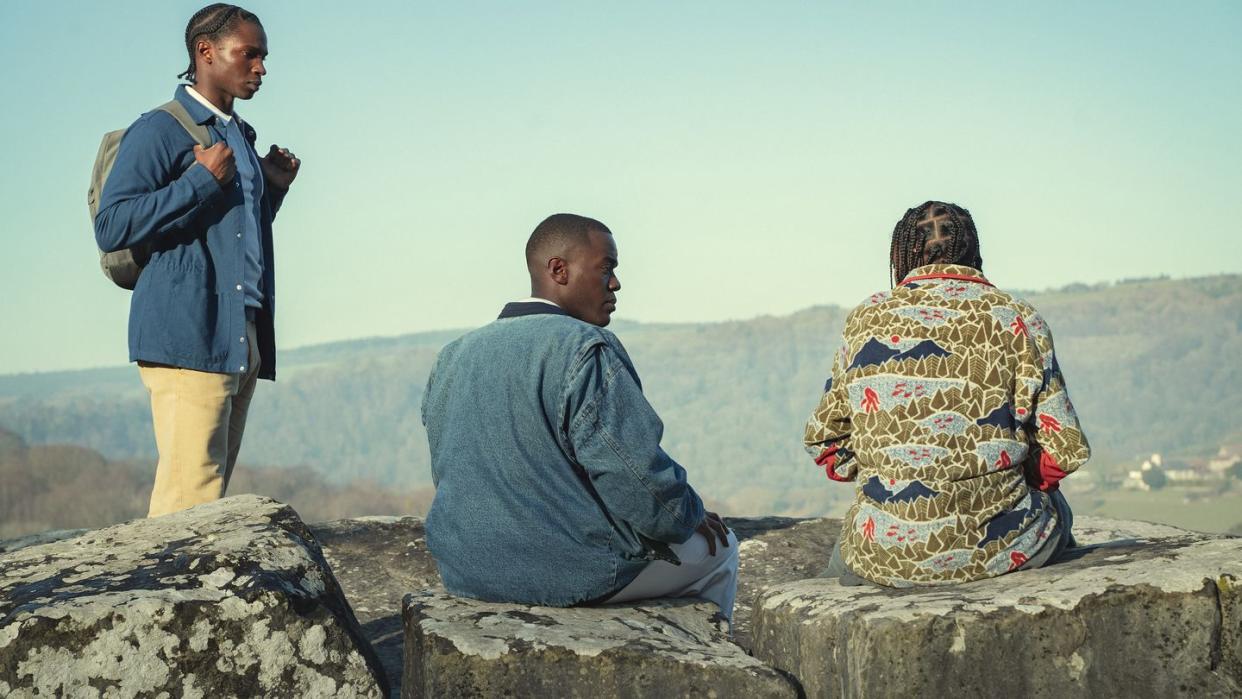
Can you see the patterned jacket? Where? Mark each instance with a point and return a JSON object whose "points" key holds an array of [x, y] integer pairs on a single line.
{"points": [[946, 405]]}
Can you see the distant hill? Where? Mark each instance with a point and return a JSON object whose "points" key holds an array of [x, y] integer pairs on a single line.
{"points": [[1153, 365], [42, 487]]}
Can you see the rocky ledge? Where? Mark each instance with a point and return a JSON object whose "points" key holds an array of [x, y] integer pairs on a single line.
{"points": [[238, 598], [233, 598], [1137, 610], [378, 560], [673, 648]]}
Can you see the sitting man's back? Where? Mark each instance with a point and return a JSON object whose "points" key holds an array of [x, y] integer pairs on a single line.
{"points": [[947, 405], [551, 486]]}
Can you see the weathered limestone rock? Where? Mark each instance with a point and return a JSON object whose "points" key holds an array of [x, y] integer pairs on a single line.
{"points": [[377, 561], [48, 537], [232, 598], [465, 648], [1139, 610], [774, 550]]}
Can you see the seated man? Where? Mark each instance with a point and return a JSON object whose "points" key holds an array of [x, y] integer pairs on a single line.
{"points": [[551, 486], [947, 405]]}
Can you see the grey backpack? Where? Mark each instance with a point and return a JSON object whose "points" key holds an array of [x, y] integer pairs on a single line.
{"points": [[124, 266]]}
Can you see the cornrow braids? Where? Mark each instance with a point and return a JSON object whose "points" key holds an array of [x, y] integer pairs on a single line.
{"points": [[212, 23], [905, 238], [933, 232]]}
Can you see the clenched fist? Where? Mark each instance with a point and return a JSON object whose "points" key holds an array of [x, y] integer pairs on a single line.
{"points": [[218, 160], [280, 166]]}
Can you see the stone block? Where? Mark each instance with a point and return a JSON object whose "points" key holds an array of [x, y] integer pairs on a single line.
{"points": [[1137, 610], [671, 648], [231, 598], [377, 561]]}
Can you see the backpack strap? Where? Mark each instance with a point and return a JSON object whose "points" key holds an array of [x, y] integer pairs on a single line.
{"points": [[197, 131]]}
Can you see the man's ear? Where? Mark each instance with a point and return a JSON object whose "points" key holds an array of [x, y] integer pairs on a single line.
{"points": [[558, 270], [204, 50]]}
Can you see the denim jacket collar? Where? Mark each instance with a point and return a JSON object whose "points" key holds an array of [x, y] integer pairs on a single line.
{"points": [[517, 309]]}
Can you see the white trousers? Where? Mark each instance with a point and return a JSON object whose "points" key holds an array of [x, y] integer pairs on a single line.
{"points": [[713, 578]]}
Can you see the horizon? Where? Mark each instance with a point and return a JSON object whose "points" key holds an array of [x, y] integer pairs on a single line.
{"points": [[1089, 286], [751, 159], [742, 389]]}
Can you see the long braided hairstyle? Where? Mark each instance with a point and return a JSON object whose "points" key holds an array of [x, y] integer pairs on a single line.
{"points": [[933, 232], [213, 23]]}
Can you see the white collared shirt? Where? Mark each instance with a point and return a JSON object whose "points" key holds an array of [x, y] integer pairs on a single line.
{"points": [[536, 299], [203, 101]]}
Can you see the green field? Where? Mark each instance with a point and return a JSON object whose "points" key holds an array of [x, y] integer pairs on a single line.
{"points": [[1218, 513]]}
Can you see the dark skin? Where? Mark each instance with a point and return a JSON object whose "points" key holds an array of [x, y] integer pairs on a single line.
{"points": [[712, 528], [935, 237], [229, 70], [582, 280]]}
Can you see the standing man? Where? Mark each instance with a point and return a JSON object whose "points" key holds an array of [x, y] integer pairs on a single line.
{"points": [[947, 406], [200, 321], [551, 486]]}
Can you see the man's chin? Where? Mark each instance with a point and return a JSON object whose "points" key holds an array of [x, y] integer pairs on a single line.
{"points": [[600, 321]]}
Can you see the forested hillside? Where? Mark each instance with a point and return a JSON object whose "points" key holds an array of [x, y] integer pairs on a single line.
{"points": [[69, 487], [1153, 365]]}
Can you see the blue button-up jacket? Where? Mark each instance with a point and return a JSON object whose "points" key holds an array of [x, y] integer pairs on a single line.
{"points": [[188, 308], [551, 486]]}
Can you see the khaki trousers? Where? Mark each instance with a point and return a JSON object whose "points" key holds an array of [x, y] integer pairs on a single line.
{"points": [[199, 418]]}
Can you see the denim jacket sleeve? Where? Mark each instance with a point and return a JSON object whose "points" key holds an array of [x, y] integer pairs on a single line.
{"points": [[615, 435], [144, 195]]}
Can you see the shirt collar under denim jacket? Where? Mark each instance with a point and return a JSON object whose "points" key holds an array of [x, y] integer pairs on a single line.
{"points": [[551, 486], [188, 308]]}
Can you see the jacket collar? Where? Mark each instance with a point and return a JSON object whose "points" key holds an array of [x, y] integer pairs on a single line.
{"points": [[517, 309], [961, 273], [199, 113]]}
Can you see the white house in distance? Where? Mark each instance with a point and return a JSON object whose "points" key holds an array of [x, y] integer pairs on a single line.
{"points": [[1135, 479], [1154, 472], [1224, 460]]}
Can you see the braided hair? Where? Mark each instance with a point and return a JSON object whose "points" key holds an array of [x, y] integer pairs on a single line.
{"points": [[933, 232], [213, 23]]}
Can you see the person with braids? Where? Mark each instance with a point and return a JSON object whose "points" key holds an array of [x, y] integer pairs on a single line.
{"points": [[201, 315], [947, 408]]}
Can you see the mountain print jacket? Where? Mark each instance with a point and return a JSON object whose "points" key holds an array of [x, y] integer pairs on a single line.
{"points": [[947, 407]]}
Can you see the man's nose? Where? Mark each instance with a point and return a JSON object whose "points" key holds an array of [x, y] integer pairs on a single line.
{"points": [[614, 284], [260, 68]]}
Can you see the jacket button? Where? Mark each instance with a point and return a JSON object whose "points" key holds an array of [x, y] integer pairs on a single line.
{"points": [[243, 367], [241, 339], [239, 287]]}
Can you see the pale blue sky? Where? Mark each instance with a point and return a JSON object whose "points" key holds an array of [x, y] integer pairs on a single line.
{"points": [[750, 157]]}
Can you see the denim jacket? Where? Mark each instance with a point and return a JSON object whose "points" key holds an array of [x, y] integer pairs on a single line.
{"points": [[551, 486], [188, 308]]}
